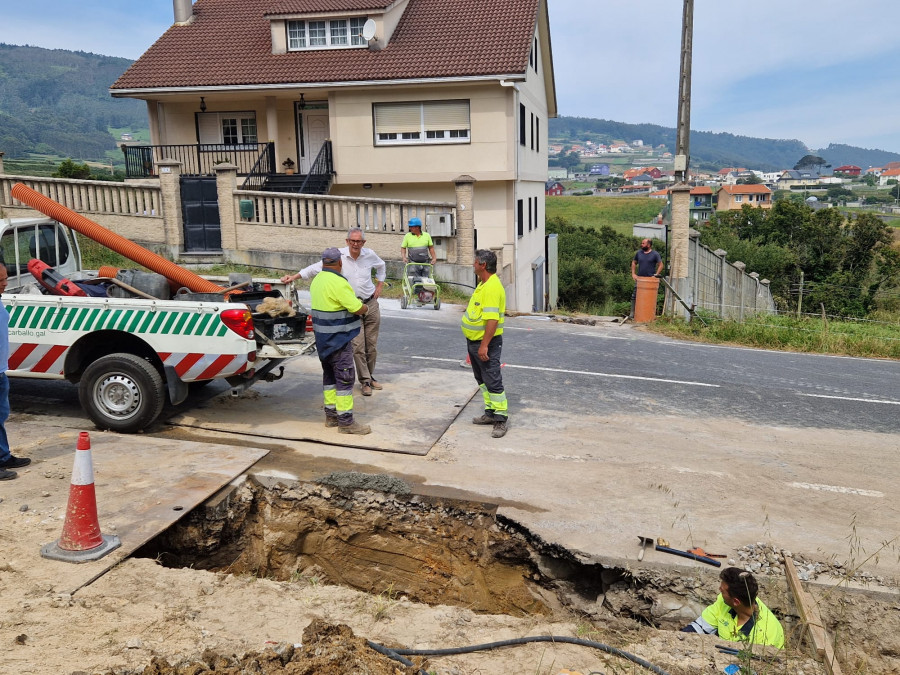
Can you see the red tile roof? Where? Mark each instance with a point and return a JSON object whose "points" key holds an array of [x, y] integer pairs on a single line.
{"points": [[701, 190], [325, 6], [229, 44], [745, 189]]}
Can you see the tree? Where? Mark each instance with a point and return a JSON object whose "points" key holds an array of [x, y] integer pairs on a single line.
{"points": [[69, 169], [870, 180], [811, 161]]}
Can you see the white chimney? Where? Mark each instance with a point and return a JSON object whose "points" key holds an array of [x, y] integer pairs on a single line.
{"points": [[184, 10]]}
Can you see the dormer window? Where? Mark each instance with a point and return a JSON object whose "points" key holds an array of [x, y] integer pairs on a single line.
{"points": [[326, 34]]}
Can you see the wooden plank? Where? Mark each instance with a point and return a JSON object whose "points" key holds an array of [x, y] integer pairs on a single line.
{"points": [[810, 616]]}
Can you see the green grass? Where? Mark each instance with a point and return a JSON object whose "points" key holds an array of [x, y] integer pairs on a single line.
{"points": [[620, 213], [876, 339]]}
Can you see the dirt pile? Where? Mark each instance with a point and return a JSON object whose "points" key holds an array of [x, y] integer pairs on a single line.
{"points": [[326, 650]]}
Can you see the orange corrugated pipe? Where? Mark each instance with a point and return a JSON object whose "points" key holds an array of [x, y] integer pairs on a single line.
{"points": [[113, 241]]}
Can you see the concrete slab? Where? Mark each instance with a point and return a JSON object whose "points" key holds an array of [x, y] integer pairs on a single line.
{"points": [[408, 416], [143, 486]]}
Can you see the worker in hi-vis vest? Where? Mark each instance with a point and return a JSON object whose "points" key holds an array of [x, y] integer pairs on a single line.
{"points": [[482, 324], [335, 313]]}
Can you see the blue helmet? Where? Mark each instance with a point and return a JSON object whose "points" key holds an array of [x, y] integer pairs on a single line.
{"points": [[415, 222]]}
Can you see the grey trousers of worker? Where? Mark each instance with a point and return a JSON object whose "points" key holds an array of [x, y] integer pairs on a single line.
{"points": [[365, 345]]}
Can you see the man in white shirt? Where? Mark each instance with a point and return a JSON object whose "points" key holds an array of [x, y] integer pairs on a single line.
{"points": [[358, 263]]}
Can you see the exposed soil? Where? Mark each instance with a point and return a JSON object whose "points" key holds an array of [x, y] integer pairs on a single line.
{"points": [[260, 582]]}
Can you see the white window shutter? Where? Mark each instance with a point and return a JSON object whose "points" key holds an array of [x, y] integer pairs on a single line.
{"points": [[398, 118], [209, 128], [445, 115]]}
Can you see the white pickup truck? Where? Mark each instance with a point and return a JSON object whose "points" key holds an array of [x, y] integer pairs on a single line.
{"points": [[129, 355]]}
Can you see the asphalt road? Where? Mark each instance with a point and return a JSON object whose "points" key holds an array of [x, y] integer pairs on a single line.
{"points": [[614, 369]]}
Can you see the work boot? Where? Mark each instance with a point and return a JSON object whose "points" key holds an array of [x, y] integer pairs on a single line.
{"points": [[366, 389], [15, 462], [356, 429], [330, 421], [376, 384], [500, 426], [7, 475], [486, 419]]}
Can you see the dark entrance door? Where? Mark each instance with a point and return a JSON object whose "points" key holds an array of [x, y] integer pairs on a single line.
{"points": [[200, 207]]}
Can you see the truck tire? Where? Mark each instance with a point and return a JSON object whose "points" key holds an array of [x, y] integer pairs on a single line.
{"points": [[122, 392]]}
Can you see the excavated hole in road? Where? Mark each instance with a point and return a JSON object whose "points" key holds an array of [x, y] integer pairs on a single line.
{"points": [[370, 533]]}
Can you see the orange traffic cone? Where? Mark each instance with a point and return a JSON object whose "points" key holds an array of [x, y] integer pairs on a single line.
{"points": [[81, 539]]}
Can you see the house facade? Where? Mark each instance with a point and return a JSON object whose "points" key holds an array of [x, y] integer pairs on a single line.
{"points": [[408, 96], [733, 197], [554, 188], [848, 170]]}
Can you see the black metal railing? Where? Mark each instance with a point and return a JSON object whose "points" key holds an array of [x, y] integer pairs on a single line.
{"points": [[197, 159], [320, 173], [264, 166]]}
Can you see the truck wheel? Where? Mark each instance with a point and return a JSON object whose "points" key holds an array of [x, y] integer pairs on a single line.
{"points": [[122, 392]]}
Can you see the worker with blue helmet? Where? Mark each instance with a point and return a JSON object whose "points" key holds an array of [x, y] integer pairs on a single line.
{"points": [[417, 246]]}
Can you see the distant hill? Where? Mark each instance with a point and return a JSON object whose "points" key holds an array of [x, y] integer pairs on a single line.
{"points": [[56, 101], [839, 155], [717, 150]]}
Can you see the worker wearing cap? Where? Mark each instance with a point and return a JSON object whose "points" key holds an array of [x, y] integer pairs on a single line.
{"points": [[738, 614], [482, 324], [357, 265], [417, 246], [335, 313]]}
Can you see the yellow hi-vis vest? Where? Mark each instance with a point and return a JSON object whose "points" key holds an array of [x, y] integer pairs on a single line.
{"points": [[487, 302], [332, 303]]}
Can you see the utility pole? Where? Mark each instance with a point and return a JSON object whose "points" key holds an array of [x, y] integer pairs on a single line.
{"points": [[683, 125], [680, 193]]}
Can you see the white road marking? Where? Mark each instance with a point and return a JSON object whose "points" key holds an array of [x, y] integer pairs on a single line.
{"points": [[582, 372], [606, 337], [409, 318], [837, 488], [850, 398], [704, 345]]}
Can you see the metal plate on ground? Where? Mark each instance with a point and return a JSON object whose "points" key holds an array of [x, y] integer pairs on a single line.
{"points": [[143, 485], [408, 416]]}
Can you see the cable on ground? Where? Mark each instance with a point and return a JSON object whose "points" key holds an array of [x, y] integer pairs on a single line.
{"points": [[519, 641]]}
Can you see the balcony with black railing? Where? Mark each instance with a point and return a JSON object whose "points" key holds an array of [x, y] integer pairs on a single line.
{"points": [[200, 159]]}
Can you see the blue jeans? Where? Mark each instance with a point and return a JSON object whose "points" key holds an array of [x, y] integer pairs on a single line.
{"points": [[4, 415]]}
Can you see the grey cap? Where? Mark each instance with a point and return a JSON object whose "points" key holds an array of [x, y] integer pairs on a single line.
{"points": [[331, 255]]}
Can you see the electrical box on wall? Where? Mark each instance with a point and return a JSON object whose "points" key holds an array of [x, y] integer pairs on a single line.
{"points": [[439, 224], [440, 248]]}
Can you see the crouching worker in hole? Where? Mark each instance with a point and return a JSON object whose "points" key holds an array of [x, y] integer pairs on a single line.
{"points": [[738, 614]]}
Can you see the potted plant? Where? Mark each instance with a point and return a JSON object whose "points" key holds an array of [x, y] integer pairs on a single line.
{"points": [[288, 165]]}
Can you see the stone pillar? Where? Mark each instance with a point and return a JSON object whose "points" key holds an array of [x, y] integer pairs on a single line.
{"points": [[681, 222], [226, 184], [169, 172], [465, 221]]}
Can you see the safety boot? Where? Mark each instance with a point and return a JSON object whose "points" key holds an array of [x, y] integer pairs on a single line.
{"points": [[331, 421], [486, 419], [500, 426], [356, 429]]}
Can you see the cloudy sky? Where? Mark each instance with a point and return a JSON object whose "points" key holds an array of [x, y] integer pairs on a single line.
{"points": [[821, 72]]}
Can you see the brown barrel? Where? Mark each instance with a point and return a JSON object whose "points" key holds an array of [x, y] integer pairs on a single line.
{"points": [[645, 303]]}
